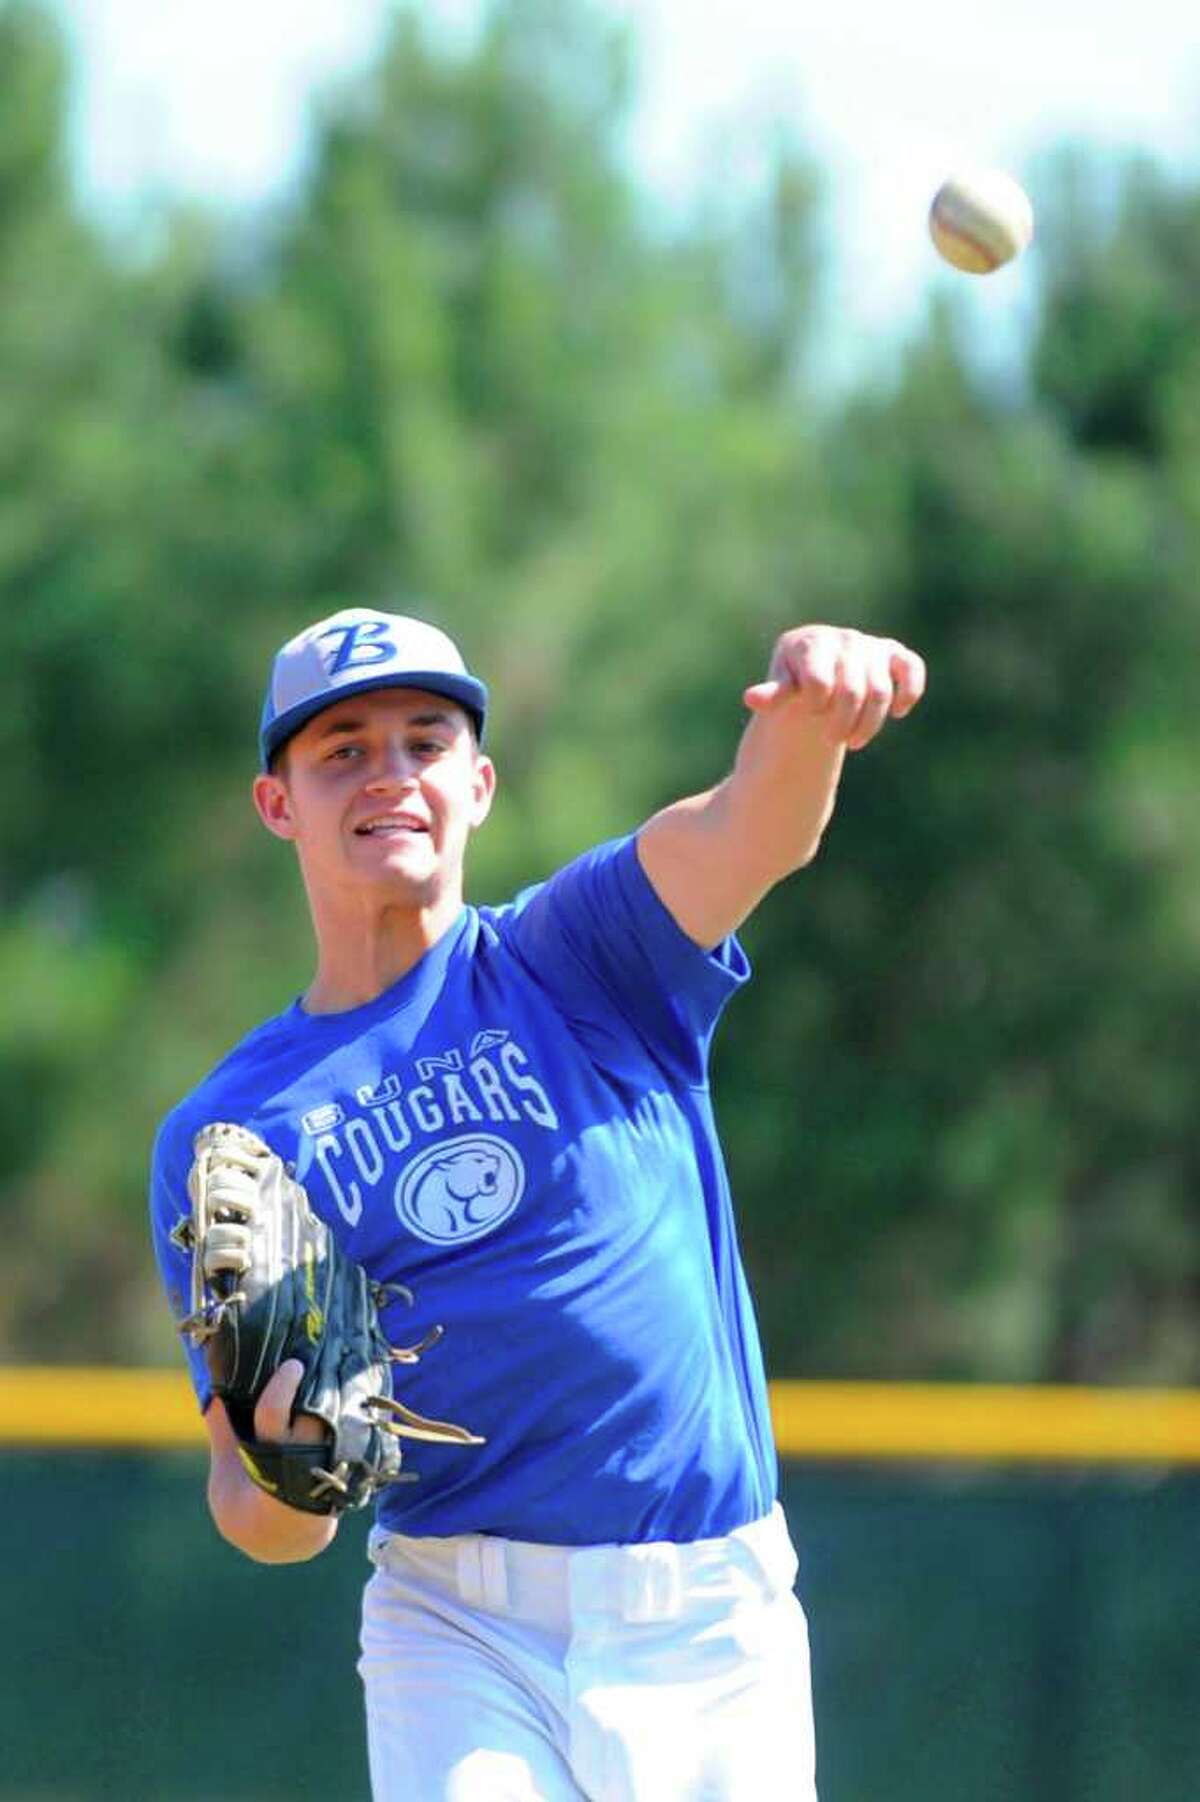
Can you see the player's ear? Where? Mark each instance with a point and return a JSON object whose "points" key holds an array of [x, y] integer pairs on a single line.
{"points": [[484, 783], [273, 804]]}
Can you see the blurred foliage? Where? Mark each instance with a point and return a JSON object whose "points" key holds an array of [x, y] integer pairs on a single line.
{"points": [[467, 370]]}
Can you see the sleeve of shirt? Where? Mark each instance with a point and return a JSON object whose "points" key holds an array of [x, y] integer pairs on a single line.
{"points": [[168, 1205], [597, 937]]}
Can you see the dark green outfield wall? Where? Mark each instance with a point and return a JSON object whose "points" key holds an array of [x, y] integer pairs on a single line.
{"points": [[976, 1639]]}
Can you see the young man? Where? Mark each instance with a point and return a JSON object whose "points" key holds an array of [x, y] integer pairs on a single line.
{"points": [[506, 1110]]}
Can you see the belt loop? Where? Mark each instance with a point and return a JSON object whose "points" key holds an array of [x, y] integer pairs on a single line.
{"points": [[652, 1584], [482, 1573], [494, 1567], [470, 1572], [770, 1543]]}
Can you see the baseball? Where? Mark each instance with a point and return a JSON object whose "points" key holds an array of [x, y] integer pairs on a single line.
{"points": [[979, 220]]}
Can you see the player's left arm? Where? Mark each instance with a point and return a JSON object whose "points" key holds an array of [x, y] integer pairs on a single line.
{"points": [[712, 857]]}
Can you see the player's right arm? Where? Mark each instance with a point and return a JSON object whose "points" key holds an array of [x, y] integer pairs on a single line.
{"points": [[266, 1530], [712, 857]]}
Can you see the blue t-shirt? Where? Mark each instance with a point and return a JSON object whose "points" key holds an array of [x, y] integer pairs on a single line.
{"points": [[520, 1131]]}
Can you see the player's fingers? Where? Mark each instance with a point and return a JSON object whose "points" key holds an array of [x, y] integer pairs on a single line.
{"points": [[790, 687], [813, 663], [803, 673], [852, 685], [878, 700], [908, 679], [853, 679], [760, 697], [273, 1411]]}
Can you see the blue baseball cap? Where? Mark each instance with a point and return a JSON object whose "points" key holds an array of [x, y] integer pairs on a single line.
{"points": [[352, 652]]}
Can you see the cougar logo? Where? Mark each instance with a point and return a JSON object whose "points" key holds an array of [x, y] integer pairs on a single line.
{"points": [[461, 1189]]}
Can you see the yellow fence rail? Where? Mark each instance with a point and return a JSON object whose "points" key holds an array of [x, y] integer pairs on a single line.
{"points": [[974, 1423]]}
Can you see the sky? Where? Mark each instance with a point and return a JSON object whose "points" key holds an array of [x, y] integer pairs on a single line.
{"points": [[209, 99]]}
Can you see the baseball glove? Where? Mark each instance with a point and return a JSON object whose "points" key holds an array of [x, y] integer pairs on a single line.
{"points": [[269, 1283]]}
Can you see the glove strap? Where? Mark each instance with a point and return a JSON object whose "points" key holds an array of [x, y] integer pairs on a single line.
{"points": [[301, 1477]]}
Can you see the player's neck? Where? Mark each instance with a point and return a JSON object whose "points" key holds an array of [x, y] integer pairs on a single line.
{"points": [[362, 952]]}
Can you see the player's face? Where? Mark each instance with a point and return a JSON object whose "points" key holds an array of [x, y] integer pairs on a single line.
{"points": [[382, 791]]}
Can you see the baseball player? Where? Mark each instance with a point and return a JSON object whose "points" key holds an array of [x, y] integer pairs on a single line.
{"points": [[506, 1111]]}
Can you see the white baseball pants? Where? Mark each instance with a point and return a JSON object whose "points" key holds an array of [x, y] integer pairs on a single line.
{"points": [[497, 1671]]}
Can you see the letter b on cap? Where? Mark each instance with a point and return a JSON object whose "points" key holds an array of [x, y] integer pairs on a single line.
{"points": [[359, 643]]}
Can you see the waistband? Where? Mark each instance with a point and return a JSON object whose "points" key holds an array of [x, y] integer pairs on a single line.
{"points": [[560, 1586]]}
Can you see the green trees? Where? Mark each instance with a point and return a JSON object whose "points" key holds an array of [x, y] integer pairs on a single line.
{"points": [[468, 370]]}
